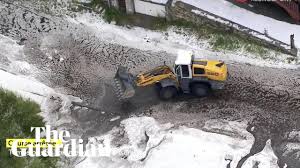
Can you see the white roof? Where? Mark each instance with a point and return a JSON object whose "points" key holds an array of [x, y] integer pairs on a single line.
{"points": [[184, 57]]}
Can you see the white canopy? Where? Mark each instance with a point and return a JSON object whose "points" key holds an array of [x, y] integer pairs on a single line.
{"points": [[184, 57]]}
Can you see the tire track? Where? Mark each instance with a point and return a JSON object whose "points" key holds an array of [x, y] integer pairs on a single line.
{"points": [[75, 59]]}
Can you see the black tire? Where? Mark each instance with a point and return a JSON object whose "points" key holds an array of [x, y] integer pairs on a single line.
{"points": [[200, 90], [167, 93]]}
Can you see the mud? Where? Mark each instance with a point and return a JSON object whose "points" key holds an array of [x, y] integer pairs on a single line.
{"points": [[74, 60]]}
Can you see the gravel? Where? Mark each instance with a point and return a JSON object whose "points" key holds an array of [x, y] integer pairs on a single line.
{"points": [[73, 58]]}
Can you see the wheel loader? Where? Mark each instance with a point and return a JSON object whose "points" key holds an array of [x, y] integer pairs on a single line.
{"points": [[190, 75]]}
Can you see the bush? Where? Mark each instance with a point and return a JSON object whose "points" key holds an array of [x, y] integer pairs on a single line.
{"points": [[17, 115], [112, 14]]}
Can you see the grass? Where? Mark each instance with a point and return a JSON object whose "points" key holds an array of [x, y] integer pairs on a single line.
{"points": [[17, 116], [112, 14], [234, 42], [218, 38]]}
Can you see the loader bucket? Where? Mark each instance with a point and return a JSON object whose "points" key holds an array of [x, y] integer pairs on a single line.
{"points": [[124, 84]]}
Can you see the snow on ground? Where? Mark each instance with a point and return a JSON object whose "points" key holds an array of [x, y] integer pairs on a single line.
{"points": [[171, 41], [55, 106], [276, 29], [270, 159], [148, 144], [12, 58], [24, 86], [16, 76], [226, 22], [158, 1], [169, 147], [84, 1], [15, 72], [10, 48]]}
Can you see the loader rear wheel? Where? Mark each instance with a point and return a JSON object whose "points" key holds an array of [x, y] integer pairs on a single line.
{"points": [[167, 93], [200, 90]]}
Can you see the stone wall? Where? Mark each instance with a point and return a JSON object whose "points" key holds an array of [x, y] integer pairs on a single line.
{"points": [[179, 10]]}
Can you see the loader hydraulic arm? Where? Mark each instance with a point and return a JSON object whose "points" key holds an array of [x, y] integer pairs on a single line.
{"points": [[155, 75], [125, 83]]}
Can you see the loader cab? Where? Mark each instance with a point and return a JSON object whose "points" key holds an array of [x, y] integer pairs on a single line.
{"points": [[183, 65], [183, 70], [199, 76]]}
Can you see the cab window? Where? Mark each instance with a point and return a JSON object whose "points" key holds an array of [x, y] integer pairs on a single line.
{"points": [[199, 71], [185, 71], [178, 70]]}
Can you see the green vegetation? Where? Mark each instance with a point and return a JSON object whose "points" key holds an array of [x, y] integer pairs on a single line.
{"points": [[17, 115], [234, 42], [219, 38], [98, 6], [112, 14], [96, 3]]}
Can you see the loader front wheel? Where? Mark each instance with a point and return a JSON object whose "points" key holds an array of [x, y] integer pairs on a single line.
{"points": [[167, 93]]}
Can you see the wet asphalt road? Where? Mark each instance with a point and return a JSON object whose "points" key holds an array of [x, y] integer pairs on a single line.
{"points": [[72, 58]]}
